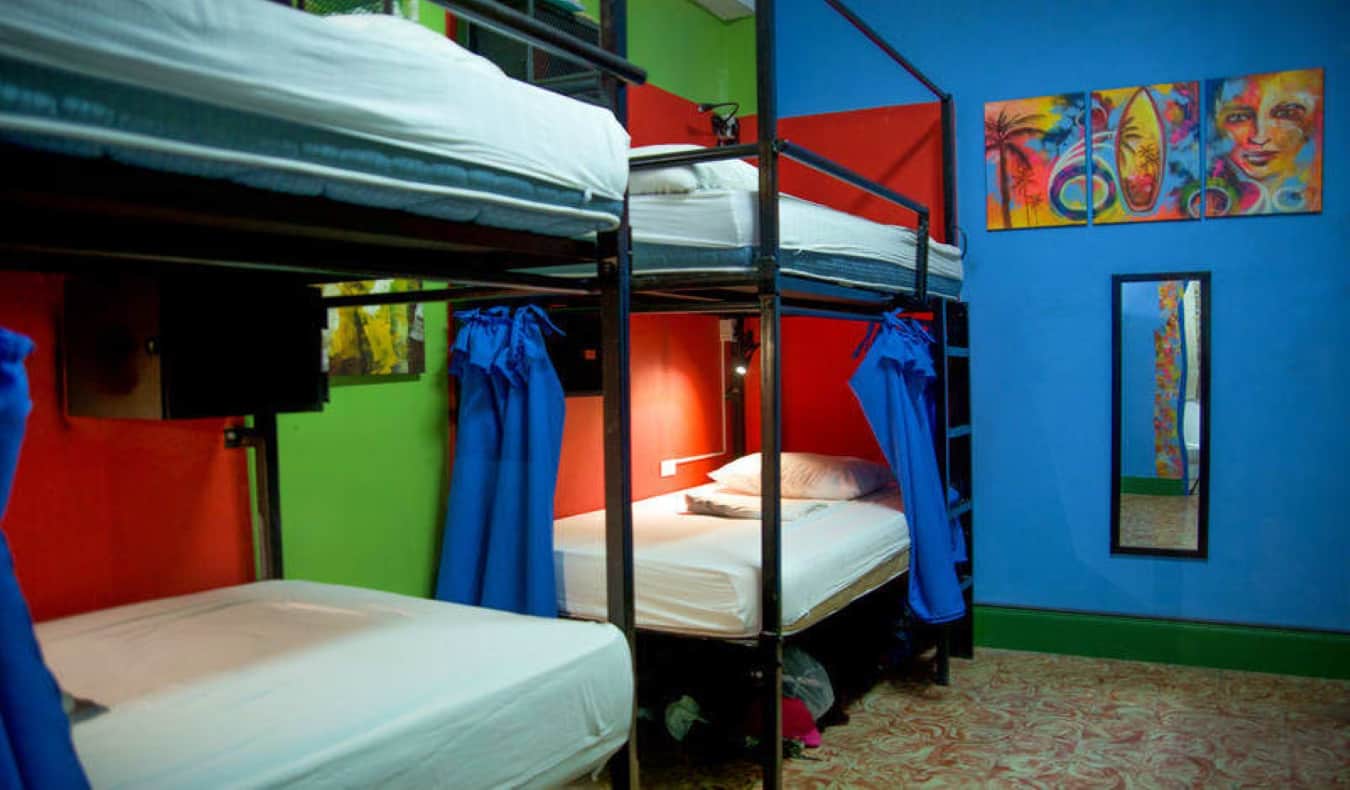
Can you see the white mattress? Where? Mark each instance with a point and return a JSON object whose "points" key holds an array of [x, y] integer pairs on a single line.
{"points": [[373, 76], [700, 574], [313, 685], [729, 219]]}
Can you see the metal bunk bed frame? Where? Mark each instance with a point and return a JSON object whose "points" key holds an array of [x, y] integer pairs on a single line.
{"points": [[129, 220], [773, 301], [771, 295]]}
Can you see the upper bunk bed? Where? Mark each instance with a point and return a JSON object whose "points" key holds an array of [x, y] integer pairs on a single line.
{"points": [[249, 121], [701, 219], [709, 225]]}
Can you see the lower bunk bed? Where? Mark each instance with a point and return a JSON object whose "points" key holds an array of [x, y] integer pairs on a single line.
{"points": [[290, 683], [699, 575]]}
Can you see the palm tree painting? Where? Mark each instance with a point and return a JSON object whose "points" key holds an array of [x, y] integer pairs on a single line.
{"points": [[1027, 143], [1146, 140]]}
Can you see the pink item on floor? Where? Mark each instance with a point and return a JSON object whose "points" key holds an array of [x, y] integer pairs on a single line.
{"points": [[798, 724]]}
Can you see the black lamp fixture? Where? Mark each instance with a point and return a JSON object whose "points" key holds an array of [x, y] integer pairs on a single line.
{"points": [[743, 347], [725, 126]]}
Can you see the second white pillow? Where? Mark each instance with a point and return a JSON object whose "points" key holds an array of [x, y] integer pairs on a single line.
{"points": [[807, 476]]}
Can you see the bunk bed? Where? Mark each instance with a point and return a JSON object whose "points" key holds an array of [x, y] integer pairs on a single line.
{"points": [[246, 139], [736, 246], [713, 235]]}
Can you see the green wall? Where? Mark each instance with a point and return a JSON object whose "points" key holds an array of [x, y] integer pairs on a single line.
{"points": [[690, 52], [363, 482], [431, 16]]}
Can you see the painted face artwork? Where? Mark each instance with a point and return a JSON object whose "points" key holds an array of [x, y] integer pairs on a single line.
{"points": [[1265, 144]]}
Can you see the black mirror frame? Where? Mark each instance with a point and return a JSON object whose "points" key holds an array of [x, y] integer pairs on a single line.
{"points": [[1202, 539]]}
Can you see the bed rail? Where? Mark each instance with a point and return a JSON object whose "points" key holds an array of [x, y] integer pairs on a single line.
{"points": [[678, 158]]}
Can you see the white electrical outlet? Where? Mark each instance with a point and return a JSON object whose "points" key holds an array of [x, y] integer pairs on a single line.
{"points": [[668, 468]]}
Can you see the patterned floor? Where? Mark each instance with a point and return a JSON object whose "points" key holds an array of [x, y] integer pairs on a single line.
{"points": [[1013, 719], [1160, 522]]}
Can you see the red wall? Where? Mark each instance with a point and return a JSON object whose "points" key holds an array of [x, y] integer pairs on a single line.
{"points": [[656, 116], [899, 147], [676, 392], [820, 414], [106, 512]]}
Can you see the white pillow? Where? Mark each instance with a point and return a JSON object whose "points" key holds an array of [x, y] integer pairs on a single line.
{"points": [[808, 476], [731, 174]]}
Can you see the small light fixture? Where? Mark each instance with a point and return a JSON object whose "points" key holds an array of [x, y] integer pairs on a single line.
{"points": [[726, 127], [743, 347]]}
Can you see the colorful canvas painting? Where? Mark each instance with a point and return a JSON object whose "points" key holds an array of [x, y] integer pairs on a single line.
{"points": [[1265, 144], [1146, 153], [1167, 375], [1035, 162], [374, 340]]}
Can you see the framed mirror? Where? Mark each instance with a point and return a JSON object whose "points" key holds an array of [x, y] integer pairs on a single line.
{"points": [[1160, 414]]}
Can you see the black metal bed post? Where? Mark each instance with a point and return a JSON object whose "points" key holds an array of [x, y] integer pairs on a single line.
{"points": [[948, 169], [265, 423], [615, 274], [941, 402], [771, 394]]}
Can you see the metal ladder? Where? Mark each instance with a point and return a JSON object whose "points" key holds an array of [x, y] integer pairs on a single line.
{"points": [[952, 333]]}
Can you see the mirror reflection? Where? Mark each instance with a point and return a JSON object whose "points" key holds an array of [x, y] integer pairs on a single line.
{"points": [[1160, 398]]}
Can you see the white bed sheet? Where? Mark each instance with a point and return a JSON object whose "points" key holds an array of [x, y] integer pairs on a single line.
{"points": [[313, 685], [700, 574], [728, 219], [374, 76]]}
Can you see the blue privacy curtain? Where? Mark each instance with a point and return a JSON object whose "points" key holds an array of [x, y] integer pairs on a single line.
{"points": [[35, 747], [894, 386], [498, 546]]}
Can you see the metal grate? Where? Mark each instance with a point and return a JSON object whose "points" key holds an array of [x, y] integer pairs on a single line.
{"points": [[329, 7], [531, 64]]}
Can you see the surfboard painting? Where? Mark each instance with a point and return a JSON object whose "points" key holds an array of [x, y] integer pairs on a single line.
{"points": [[1035, 162], [1265, 144], [1146, 153]]}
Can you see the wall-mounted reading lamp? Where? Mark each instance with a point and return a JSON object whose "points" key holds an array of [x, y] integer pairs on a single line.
{"points": [[726, 127], [743, 347]]}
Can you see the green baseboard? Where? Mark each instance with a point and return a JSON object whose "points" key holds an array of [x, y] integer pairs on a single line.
{"points": [[1153, 486], [1283, 651]]}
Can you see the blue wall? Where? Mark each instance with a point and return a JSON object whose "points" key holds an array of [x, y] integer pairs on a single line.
{"points": [[1140, 317], [1279, 541]]}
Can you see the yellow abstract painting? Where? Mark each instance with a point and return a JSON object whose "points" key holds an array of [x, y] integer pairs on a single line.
{"points": [[374, 340]]}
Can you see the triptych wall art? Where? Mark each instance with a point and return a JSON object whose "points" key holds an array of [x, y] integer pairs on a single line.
{"points": [[1143, 162]]}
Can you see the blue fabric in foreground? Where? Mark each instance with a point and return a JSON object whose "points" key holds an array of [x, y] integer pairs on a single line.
{"points": [[893, 385], [35, 746], [498, 546]]}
